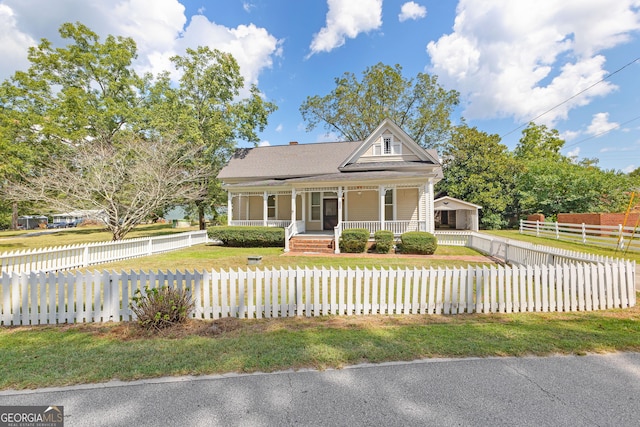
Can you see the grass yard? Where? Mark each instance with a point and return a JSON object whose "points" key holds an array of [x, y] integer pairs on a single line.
{"points": [[46, 356], [563, 244], [207, 257], [33, 239]]}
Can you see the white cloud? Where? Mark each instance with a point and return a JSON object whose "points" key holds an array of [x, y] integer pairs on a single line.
{"points": [[346, 19], [629, 169], [159, 32], [253, 47], [600, 124], [264, 143], [13, 43], [247, 6], [519, 59], [569, 135], [279, 128], [412, 10], [574, 153], [328, 137]]}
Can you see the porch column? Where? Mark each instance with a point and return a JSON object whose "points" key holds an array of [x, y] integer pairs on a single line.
{"points": [[229, 207], [382, 191], [340, 194], [303, 197], [265, 210], [293, 208], [429, 215]]}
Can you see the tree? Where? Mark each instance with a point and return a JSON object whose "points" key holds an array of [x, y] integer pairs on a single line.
{"points": [[539, 142], [208, 112], [550, 183], [125, 179], [479, 169], [555, 187], [355, 108], [85, 99]]}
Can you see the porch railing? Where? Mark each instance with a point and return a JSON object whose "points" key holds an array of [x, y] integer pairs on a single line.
{"points": [[260, 223], [397, 227]]}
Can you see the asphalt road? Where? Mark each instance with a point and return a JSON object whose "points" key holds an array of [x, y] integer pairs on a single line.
{"points": [[592, 390]]}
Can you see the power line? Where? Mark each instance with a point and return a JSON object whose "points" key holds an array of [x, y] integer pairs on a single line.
{"points": [[601, 133], [573, 96]]}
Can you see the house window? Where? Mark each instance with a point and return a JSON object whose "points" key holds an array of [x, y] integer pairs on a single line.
{"points": [[315, 206], [271, 207], [387, 147], [388, 205]]}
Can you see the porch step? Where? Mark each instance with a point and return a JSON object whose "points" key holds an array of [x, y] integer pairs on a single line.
{"points": [[316, 245]]}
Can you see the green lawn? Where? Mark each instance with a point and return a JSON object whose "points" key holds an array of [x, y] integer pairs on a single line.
{"points": [[207, 257], [44, 356], [573, 246], [32, 239], [62, 355]]}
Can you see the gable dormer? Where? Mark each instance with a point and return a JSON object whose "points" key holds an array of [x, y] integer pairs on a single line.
{"points": [[389, 143]]}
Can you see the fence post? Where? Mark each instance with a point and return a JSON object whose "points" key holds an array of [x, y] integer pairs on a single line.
{"points": [[150, 248], [557, 231], [85, 257], [537, 228], [584, 234], [621, 236], [521, 225]]}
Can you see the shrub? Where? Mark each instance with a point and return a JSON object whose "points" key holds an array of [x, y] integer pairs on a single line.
{"points": [[384, 241], [418, 242], [354, 240], [248, 237], [159, 308]]}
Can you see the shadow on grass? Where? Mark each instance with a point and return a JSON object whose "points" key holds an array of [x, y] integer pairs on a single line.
{"points": [[31, 357]]}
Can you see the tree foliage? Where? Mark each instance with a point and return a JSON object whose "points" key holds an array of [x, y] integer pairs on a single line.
{"points": [[82, 107], [479, 169], [550, 183], [206, 110], [126, 181], [355, 107]]}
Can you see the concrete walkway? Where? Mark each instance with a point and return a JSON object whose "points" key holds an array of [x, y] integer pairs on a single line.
{"points": [[593, 390]]}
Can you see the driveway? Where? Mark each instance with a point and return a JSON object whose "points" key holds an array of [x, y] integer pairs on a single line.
{"points": [[592, 390]]}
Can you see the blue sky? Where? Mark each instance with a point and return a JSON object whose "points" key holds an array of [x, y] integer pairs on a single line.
{"points": [[510, 60]]}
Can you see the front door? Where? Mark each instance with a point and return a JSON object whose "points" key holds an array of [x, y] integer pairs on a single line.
{"points": [[330, 215]]}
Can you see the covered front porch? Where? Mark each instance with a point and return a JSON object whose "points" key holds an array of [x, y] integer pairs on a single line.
{"points": [[397, 207]]}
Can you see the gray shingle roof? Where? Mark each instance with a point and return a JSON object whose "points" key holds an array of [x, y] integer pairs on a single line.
{"points": [[288, 161]]}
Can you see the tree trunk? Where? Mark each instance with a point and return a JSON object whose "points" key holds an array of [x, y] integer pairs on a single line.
{"points": [[201, 219], [14, 216]]}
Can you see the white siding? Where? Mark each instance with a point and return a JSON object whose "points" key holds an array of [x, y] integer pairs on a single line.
{"points": [[363, 207], [407, 200]]}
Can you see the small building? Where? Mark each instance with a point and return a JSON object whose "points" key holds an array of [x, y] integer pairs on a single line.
{"points": [[31, 222], [455, 214], [78, 216]]}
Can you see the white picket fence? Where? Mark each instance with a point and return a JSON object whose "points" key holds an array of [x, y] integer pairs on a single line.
{"points": [[609, 236], [84, 255], [40, 298], [525, 253]]}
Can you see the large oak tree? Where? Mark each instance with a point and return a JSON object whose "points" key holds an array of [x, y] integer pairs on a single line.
{"points": [[419, 105]]}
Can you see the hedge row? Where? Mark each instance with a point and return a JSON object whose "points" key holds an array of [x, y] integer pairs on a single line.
{"points": [[248, 237], [384, 241], [418, 242], [354, 240]]}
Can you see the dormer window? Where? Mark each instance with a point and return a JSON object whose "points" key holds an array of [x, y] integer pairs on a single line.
{"points": [[387, 147]]}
